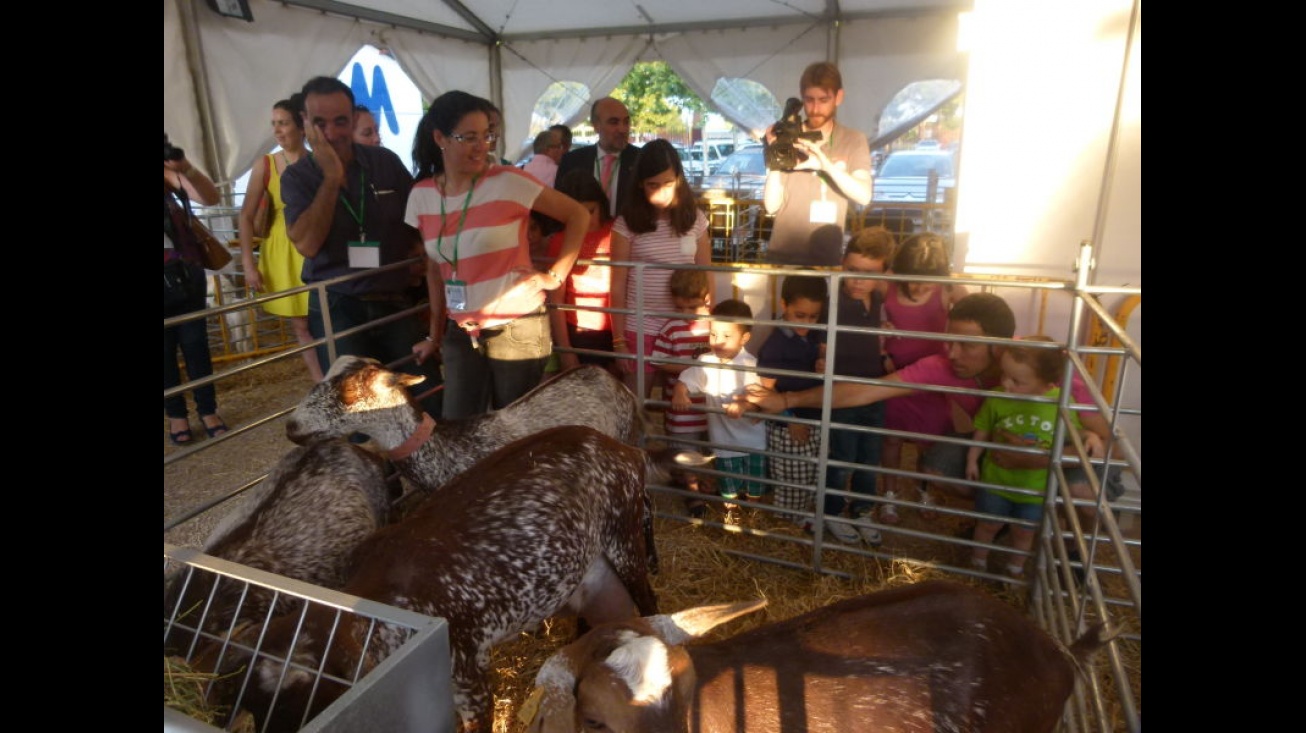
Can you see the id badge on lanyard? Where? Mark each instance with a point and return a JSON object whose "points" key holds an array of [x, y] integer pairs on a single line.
{"points": [[363, 253], [455, 290], [455, 294]]}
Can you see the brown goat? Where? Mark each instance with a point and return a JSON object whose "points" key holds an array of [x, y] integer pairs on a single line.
{"points": [[934, 656], [551, 524]]}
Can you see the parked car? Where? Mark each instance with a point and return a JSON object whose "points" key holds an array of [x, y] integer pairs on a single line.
{"points": [[905, 177], [692, 157], [742, 174]]}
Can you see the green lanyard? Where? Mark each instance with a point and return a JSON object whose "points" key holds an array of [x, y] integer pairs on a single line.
{"points": [[458, 234], [362, 200], [362, 203]]}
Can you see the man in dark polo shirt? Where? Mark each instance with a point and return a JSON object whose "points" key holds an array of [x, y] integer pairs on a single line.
{"points": [[345, 213]]}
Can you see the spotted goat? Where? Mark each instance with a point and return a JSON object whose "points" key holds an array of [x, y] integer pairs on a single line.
{"points": [[547, 525], [303, 521], [359, 395], [933, 656]]}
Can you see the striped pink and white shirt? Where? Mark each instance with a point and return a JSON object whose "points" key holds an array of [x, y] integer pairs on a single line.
{"points": [[663, 246], [490, 250]]}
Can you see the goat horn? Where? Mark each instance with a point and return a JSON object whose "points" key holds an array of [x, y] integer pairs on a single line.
{"points": [[679, 627]]}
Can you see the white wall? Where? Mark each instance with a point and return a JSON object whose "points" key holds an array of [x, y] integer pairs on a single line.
{"points": [[1052, 153]]}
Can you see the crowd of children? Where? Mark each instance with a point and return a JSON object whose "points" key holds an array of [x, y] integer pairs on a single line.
{"points": [[700, 360]]}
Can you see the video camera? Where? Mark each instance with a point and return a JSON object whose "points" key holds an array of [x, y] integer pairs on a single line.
{"points": [[781, 155], [170, 151]]}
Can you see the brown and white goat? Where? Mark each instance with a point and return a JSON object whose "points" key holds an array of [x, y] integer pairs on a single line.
{"points": [[304, 521], [934, 656], [548, 525], [359, 395]]}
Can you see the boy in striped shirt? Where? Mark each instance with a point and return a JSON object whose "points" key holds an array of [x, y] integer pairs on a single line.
{"points": [[685, 338]]}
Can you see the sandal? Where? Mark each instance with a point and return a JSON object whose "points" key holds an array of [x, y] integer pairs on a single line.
{"points": [[185, 436], [215, 430]]}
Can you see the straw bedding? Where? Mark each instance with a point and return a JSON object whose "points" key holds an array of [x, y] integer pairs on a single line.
{"points": [[696, 565]]}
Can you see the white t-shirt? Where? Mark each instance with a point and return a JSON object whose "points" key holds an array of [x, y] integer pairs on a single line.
{"points": [[719, 387]]}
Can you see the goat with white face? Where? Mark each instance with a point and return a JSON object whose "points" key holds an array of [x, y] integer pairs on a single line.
{"points": [[934, 656], [359, 395]]}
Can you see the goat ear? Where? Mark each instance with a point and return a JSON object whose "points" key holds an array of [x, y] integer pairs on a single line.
{"points": [[553, 703], [682, 626], [409, 380]]}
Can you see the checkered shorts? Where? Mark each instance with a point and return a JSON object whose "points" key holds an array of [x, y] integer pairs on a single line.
{"points": [[800, 475]]}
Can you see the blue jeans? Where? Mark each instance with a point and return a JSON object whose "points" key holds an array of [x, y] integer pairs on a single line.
{"points": [[863, 448], [387, 343], [993, 503], [508, 363], [192, 338]]}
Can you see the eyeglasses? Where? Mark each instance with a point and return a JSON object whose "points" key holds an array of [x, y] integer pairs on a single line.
{"points": [[472, 138]]}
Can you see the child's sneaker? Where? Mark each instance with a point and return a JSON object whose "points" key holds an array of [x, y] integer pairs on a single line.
{"points": [[927, 499], [842, 532], [870, 535], [889, 512]]}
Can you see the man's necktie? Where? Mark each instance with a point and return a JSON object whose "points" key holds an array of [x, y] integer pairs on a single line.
{"points": [[609, 161]]}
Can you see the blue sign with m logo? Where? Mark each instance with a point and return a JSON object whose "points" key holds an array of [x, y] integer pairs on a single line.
{"points": [[378, 99]]}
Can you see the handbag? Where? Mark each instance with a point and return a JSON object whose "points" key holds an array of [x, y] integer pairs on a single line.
{"points": [[214, 255], [265, 213], [177, 288]]}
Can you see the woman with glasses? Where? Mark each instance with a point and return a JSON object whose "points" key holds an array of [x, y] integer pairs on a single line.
{"points": [[488, 320]]}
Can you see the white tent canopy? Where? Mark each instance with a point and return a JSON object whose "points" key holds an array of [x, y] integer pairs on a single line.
{"points": [[221, 74]]}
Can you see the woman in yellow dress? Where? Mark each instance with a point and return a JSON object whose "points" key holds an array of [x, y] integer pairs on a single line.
{"points": [[279, 264]]}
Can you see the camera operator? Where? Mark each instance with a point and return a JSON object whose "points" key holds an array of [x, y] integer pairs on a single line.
{"points": [[829, 173]]}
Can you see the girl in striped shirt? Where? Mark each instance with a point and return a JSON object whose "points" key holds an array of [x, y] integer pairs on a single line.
{"points": [[659, 223]]}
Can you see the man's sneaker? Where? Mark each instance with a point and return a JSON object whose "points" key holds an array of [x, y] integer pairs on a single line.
{"points": [[842, 532], [870, 535], [889, 512]]}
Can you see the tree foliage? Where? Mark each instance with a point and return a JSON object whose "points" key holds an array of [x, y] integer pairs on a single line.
{"points": [[656, 97]]}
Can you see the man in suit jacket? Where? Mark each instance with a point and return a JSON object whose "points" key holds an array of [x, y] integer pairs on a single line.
{"points": [[611, 121]]}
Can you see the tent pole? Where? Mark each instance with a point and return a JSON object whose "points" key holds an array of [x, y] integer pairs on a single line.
{"points": [[496, 75], [1113, 140], [203, 93], [833, 22]]}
